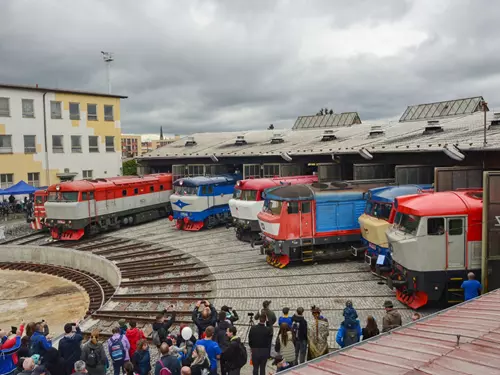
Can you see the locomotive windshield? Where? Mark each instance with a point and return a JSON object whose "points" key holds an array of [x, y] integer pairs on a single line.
{"points": [[407, 223], [237, 193], [39, 199], [273, 207], [63, 196], [378, 210], [185, 190]]}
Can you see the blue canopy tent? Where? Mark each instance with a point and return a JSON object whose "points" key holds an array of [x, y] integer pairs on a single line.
{"points": [[19, 189]]}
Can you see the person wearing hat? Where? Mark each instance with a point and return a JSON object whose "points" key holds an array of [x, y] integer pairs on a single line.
{"points": [[123, 326], [392, 318]]}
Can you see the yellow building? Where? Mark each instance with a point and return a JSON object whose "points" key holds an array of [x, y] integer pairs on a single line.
{"points": [[131, 145], [50, 135]]}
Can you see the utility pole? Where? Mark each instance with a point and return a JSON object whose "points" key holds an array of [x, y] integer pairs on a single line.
{"points": [[108, 58], [485, 109]]}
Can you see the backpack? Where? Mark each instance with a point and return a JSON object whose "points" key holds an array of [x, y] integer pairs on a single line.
{"points": [[350, 317], [242, 357], [117, 352], [164, 370], [350, 336], [93, 358], [159, 336]]}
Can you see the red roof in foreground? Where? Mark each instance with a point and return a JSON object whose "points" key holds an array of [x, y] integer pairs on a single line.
{"points": [[429, 346]]}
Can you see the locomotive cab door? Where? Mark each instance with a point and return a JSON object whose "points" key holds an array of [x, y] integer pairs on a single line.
{"points": [[456, 242], [306, 222]]}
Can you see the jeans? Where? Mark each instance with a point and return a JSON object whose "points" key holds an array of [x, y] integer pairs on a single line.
{"points": [[213, 371], [259, 360], [117, 366], [234, 372], [300, 351]]}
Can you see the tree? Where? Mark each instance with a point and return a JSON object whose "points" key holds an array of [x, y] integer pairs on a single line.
{"points": [[271, 127], [331, 111], [130, 168]]}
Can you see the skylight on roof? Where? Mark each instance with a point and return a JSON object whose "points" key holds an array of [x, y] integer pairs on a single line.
{"points": [[442, 109], [326, 121]]}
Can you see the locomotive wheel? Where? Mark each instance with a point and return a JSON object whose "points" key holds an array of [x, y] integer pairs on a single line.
{"points": [[239, 234]]}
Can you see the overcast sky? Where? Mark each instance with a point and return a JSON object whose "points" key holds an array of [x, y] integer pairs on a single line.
{"points": [[206, 65]]}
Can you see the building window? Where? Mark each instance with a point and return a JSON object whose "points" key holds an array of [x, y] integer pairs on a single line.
{"points": [[29, 144], [6, 180], [92, 112], [74, 111], [93, 143], [34, 179], [110, 144], [55, 110], [28, 108], [57, 144], [76, 143], [271, 170], [87, 174], [5, 144], [4, 107], [108, 113]]}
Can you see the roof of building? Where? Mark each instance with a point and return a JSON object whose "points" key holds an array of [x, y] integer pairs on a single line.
{"points": [[465, 132], [64, 91], [464, 339], [441, 203], [388, 193], [327, 120]]}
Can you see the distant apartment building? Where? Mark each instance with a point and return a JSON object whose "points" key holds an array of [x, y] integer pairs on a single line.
{"points": [[52, 135], [149, 146], [131, 145]]}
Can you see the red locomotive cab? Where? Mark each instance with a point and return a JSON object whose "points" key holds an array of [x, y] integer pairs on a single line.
{"points": [[38, 222], [435, 241]]}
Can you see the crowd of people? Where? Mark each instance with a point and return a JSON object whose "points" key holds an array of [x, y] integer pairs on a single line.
{"points": [[13, 206], [217, 349]]}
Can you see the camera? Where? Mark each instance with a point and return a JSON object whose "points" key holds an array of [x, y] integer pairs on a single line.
{"points": [[251, 314]]}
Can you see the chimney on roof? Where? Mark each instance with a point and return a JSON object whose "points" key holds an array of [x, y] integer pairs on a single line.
{"points": [[277, 138], [433, 127], [240, 140], [496, 119], [190, 141], [37, 85], [328, 135]]}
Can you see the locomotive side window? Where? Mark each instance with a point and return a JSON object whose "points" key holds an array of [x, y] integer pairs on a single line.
{"points": [[455, 227], [136, 191], [306, 207], [124, 193], [152, 189], [293, 207], [84, 196], [38, 200], [435, 226], [91, 195], [63, 196], [161, 187]]}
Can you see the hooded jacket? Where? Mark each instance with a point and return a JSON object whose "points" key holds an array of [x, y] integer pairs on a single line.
{"points": [[301, 323], [343, 330], [54, 363], [7, 364], [99, 348], [391, 320], [201, 323], [231, 353], [165, 325], [70, 349], [133, 336], [220, 336], [142, 362]]}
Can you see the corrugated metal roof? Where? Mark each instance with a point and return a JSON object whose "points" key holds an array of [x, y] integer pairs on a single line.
{"points": [[466, 132], [327, 120], [442, 109], [464, 339]]}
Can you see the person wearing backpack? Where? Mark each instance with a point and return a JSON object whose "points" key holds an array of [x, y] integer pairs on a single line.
{"points": [[94, 356], [167, 364], [235, 356], [349, 333], [142, 358], [161, 327], [118, 349], [299, 331]]}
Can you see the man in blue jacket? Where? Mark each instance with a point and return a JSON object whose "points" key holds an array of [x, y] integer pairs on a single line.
{"points": [[39, 342], [348, 334]]}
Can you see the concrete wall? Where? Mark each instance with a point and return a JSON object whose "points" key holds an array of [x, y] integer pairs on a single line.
{"points": [[83, 261]]}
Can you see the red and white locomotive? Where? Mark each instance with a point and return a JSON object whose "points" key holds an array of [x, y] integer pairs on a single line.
{"points": [[90, 206]]}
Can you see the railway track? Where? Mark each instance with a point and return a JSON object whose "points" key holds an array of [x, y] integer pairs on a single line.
{"points": [[26, 239], [98, 289]]}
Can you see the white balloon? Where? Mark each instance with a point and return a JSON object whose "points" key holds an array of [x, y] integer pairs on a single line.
{"points": [[187, 333]]}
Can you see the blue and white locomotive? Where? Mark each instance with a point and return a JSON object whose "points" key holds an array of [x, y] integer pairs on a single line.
{"points": [[202, 201]]}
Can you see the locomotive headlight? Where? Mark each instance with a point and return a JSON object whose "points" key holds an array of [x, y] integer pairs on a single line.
{"points": [[58, 187]]}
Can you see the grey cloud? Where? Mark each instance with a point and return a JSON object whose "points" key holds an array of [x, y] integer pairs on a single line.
{"points": [[232, 65]]}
